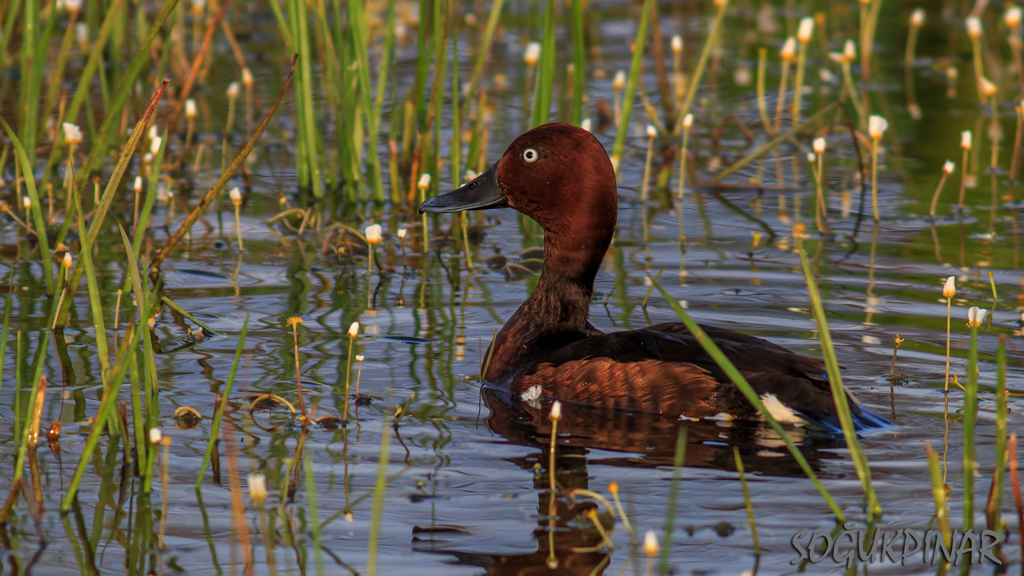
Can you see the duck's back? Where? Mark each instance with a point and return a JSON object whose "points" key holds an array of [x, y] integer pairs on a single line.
{"points": [[663, 369]]}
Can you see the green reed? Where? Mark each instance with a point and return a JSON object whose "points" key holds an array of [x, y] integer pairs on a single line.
{"points": [[379, 487], [839, 396], [994, 508], [578, 61], [747, 502], [225, 397], [748, 392], [546, 72], [631, 81], [970, 419], [673, 498], [309, 145]]}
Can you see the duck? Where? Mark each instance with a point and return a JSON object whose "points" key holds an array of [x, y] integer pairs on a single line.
{"points": [[561, 176]]}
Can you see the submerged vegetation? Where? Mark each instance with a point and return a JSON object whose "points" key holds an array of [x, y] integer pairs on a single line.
{"points": [[267, 344]]}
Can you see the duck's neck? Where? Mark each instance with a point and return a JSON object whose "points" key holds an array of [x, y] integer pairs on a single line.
{"points": [[558, 311]]}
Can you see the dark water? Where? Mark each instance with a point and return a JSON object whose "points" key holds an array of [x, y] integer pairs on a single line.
{"points": [[474, 470]]}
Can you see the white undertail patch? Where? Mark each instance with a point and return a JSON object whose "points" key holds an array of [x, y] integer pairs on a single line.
{"points": [[780, 411], [531, 395]]}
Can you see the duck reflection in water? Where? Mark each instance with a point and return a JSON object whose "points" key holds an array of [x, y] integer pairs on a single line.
{"points": [[640, 443]]}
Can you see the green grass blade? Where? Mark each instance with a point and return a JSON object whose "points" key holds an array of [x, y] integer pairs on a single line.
{"points": [[631, 81], [835, 382], [379, 488], [225, 398]]}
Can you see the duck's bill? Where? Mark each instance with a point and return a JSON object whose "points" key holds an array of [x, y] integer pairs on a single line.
{"points": [[482, 193]]}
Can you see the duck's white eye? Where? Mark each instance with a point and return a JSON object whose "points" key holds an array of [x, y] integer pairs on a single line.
{"points": [[530, 155]]}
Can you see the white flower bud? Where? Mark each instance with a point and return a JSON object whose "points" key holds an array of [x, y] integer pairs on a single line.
{"points": [[651, 131], [917, 18], [556, 410], [73, 6], [1012, 17], [850, 50], [819, 146], [138, 184], [360, 358], [585, 124], [154, 146], [247, 76], [373, 234], [353, 330], [988, 89], [401, 233], [876, 127], [532, 53], [805, 30], [975, 316], [26, 202], [949, 288], [788, 51], [948, 167], [677, 44], [72, 133], [257, 487], [190, 108], [973, 27], [966, 139], [651, 546], [66, 261], [236, 196], [233, 90], [687, 121], [424, 181], [812, 157], [155, 436], [619, 82]]}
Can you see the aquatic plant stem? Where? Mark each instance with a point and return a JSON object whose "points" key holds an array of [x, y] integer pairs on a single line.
{"points": [[949, 310], [634, 75], [969, 420], [673, 498], [380, 486], [874, 177], [839, 395], [225, 395]]}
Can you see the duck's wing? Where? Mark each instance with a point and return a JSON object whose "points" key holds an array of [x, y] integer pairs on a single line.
{"points": [[664, 369]]}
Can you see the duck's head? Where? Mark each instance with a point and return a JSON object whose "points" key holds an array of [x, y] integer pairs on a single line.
{"points": [[558, 174]]}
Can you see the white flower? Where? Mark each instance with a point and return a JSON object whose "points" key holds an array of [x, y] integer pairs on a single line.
{"points": [[677, 44], [819, 146], [1013, 17], [556, 410], [949, 288], [585, 124], [73, 5], [788, 51], [66, 261], [236, 196], [876, 127], [803, 34], [651, 546], [532, 53], [155, 436], [917, 18], [687, 121], [138, 184], [619, 82], [233, 90], [424, 181], [373, 233], [850, 50], [987, 87], [973, 27], [651, 131], [353, 330], [26, 202], [948, 167], [72, 133], [966, 139], [975, 316], [154, 146], [360, 358], [401, 233], [257, 487], [247, 76], [153, 132], [190, 108], [812, 157]]}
